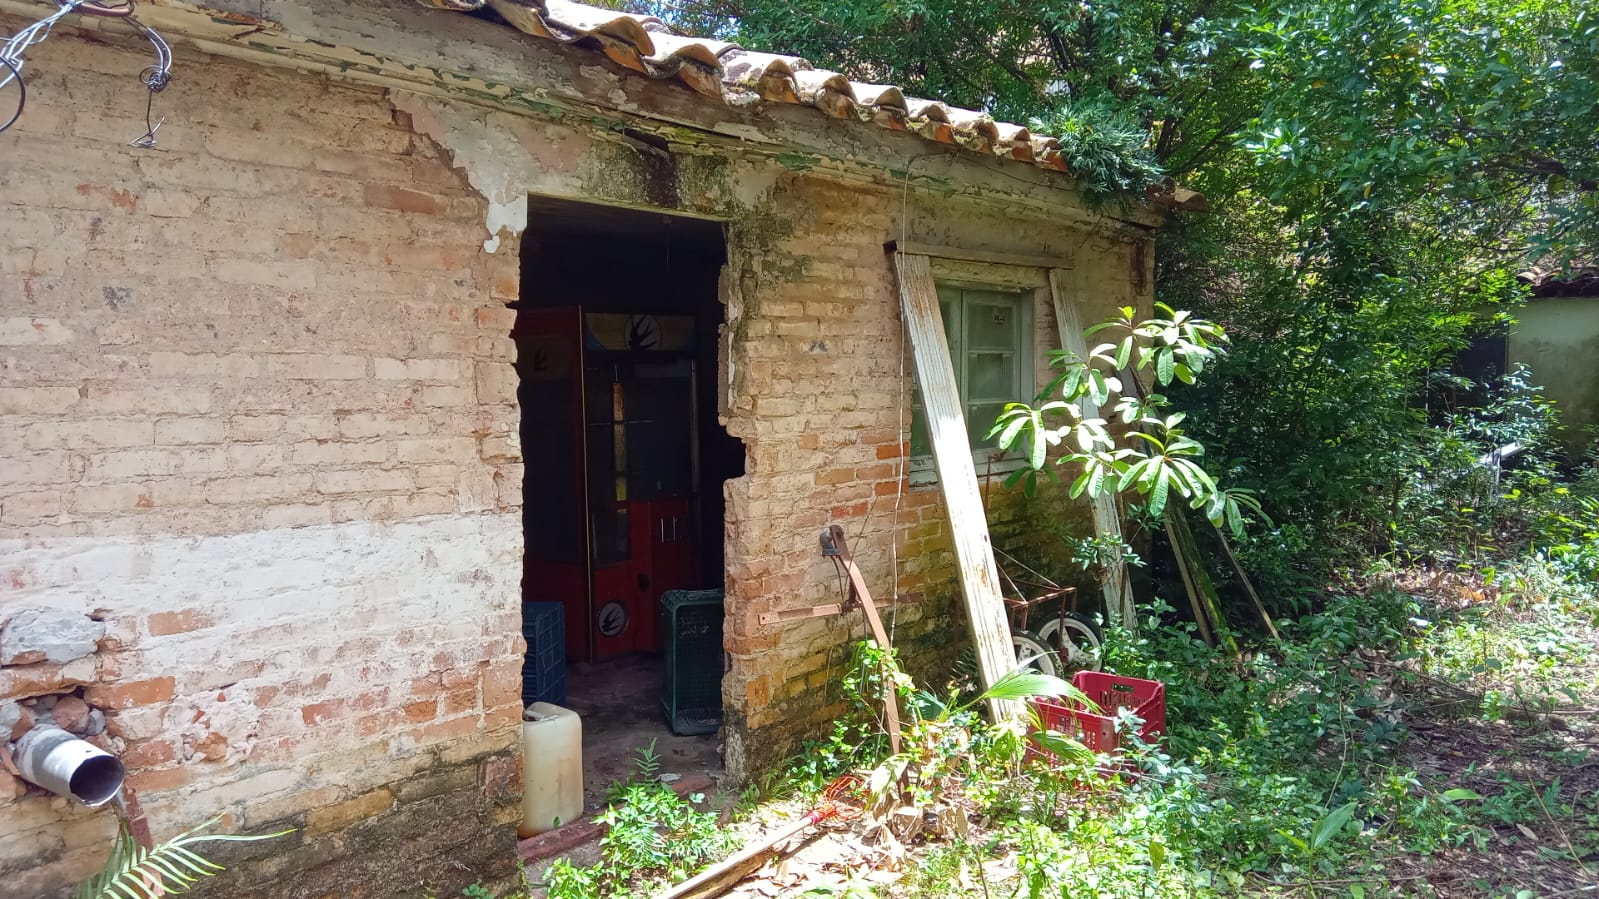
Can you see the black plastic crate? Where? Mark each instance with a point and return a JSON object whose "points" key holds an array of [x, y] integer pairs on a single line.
{"points": [[692, 696], [544, 666]]}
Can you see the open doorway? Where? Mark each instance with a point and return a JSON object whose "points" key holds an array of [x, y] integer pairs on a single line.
{"points": [[617, 334]]}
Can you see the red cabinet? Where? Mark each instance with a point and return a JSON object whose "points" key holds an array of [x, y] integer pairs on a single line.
{"points": [[627, 593], [609, 436]]}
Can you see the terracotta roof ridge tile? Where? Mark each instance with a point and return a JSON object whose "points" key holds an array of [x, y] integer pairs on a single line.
{"points": [[880, 95], [707, 52], [738, 76]]}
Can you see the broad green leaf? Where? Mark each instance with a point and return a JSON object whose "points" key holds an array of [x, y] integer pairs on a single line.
{"points": [[1035, 456], [1331, 825], [1157, 497], [1079, 485]]}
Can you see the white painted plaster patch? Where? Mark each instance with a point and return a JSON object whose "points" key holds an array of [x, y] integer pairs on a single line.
{"points": [[496, 164], [279, 595]]}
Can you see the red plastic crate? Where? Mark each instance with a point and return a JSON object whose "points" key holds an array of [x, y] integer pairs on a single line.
{"points": [[1146, 699]]}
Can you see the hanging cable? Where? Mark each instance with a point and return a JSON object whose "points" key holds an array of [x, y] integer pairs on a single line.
{"points": [[155, 77], [14, 75], [901, 425]]}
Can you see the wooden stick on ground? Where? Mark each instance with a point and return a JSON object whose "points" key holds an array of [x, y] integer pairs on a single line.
{"points": [[1249, 586], [720, 877]]}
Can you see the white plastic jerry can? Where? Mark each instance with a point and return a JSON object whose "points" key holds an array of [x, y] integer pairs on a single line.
{"points": [[552, 768]]}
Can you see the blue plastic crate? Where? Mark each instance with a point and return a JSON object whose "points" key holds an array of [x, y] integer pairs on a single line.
{"points": [[544, 666]]}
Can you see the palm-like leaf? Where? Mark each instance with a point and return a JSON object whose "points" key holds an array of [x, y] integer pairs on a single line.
{"points": [[134, 872]]}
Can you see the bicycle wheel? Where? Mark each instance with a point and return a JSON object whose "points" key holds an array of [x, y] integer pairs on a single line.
{"points": [[1076, 639], [1033, 652]]}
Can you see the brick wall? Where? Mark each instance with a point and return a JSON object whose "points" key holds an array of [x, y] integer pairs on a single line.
{"points": [[813, 383], [259, 438], [256, 417], [822, 401]]}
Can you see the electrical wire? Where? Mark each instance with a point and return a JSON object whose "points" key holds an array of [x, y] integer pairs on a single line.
{"points": [[155, 77], [14, 74], [902, 427], [11, 51]]}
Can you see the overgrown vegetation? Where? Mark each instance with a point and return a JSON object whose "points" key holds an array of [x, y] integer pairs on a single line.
{"points": [[654, 837], [1282, 772], [133, 871], [1379, 173], [1378, 170], [1432, 707]]}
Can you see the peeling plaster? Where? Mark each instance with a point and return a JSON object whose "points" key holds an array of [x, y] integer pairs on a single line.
{"points": [[496, 163], [741, 131]]}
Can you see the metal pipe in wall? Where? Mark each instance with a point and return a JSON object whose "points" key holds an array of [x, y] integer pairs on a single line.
{"points": [[68, 766]]}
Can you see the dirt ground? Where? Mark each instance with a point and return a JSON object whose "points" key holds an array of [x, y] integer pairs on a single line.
{"points": [[1535, 855], [619, 703]]}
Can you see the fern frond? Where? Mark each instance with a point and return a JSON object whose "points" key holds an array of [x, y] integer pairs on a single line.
{"points": [[134, 872]]}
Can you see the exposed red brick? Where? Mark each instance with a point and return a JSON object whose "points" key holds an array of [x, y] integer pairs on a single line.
{"points": [[130, 694], [165, 624], [893, 450], [854, 510], [389, 196], [318, 712], [149, 754]]}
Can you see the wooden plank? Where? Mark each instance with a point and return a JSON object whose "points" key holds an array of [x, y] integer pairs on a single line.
{"points": [[1114, 584], [857, 585], [1201, 617], [802, 614], [914, 248], [957, 477], [987, 275]]}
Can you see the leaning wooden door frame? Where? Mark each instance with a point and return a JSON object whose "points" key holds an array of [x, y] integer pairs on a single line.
{"points": [[1113, 583], [957, 476]]}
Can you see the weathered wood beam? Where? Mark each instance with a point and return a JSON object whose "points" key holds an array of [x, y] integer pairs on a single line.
{"points": [[1114, 583], [987, 256], [399, 44], [957, 477]]}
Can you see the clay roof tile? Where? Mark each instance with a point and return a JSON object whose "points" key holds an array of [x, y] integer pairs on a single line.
{"points": [[648, 45]]}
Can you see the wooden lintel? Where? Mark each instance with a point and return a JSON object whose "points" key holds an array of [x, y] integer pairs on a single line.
{"points": [[915, 248], [957, 476]]}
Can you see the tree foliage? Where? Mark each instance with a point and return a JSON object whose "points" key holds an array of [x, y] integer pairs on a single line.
{"points": [[1378, 171], [1152, 457], [1337, 106]]}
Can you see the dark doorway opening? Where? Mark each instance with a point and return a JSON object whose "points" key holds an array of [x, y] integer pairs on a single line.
{"points": [[617, 332]]}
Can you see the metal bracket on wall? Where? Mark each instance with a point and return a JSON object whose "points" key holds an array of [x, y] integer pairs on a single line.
{"points": [[835, 547]]}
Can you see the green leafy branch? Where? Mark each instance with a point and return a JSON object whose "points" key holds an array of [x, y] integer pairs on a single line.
{"points": [[134, 872], [1153, 458]]}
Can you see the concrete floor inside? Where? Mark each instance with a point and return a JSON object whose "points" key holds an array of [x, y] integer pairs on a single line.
{"points": [[619, 701]]}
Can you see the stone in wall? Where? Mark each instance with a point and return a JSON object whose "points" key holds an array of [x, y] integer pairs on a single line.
{"points": [[33, 635]]}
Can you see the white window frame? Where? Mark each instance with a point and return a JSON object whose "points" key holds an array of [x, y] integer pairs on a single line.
{"points": [[987, 460]]}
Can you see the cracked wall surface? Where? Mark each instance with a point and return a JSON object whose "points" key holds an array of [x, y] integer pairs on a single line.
{"points": [[259, 423], [260, 529]]}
